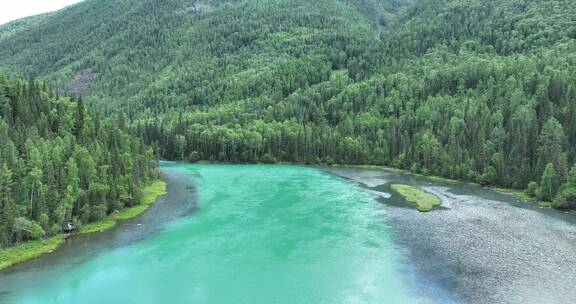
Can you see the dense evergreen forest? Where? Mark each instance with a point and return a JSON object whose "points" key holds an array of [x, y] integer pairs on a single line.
{"points": [[59, 162], [483, 91]]}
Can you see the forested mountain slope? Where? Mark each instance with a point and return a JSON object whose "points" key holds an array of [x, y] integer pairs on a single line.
{"points": [[60, 163], [476, 90], [133, 51]]}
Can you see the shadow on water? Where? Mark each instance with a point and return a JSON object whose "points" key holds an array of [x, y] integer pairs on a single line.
{"points": [[179, 202]]}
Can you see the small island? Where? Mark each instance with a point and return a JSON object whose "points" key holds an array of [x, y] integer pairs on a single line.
{"points": [[424, 201]]}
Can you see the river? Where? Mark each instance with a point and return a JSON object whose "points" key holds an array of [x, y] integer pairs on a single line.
{"points": [[290, 234]]}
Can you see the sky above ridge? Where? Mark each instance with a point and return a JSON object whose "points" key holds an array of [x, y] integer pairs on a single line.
{"points": [[15, 9]]}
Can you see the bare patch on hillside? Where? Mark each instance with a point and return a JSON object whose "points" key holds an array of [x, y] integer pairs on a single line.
{"points": [[197, 7], [81, 82]]}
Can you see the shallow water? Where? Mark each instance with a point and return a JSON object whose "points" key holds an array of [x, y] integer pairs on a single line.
{"points": [[259, 234], [287, 234], [481, 246]]}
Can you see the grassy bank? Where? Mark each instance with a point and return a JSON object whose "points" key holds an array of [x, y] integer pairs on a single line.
{"points": [[424, 201], [33, 249], [150, 195], [99, 226], [29, 250], [522, 195], [518, 193]]}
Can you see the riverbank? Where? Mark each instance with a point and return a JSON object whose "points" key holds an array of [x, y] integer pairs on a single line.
{"points": [[150, 195], [33, 249], [519, 194], [482, 246], [29, 250]]}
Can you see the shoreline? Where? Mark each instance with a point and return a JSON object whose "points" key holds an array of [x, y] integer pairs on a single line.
{"points": [[519, 194], [33, 249], [474, 251]]}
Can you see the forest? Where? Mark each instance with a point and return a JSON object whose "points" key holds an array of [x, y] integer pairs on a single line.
{"points": [[61, 163], [481, 91]]}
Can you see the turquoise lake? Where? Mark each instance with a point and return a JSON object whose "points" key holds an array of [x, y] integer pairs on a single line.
{"points": [[231, 234]]}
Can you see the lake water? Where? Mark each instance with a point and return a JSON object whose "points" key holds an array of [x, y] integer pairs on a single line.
{"points": [[283, 234], [259, 234]]}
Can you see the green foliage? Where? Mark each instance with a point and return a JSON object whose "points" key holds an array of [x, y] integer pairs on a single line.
{"points": [[490, 176], [27, 230], [532, 189], [58, 166], [150, 194], [567, 197], [548, 183], [98, 226], [550, 150], [29, 250], [424, 201]]}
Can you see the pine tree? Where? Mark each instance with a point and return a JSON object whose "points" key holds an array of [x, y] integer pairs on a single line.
{"points": [[567, 198], [7, 209], [79, 117], [550, 146]]}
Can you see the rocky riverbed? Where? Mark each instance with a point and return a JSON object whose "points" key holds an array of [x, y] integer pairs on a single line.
{"points": [[481, 246]]}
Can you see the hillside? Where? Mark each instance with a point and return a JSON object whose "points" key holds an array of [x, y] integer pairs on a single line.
{"points": [[482, 91], [129, 52]]}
